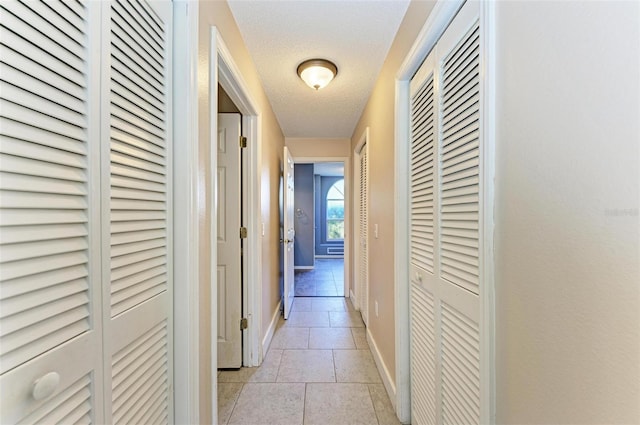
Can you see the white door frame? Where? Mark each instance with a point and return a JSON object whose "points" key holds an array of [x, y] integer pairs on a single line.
{"points": [[358, 299], [187, 344], [187, 201], [442, 14], [347, 207], [224, 71]]}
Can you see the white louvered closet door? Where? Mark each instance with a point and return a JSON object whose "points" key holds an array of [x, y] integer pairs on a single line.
{"points": [[50, 312], [137, 222], [445, 228], [85, 222], [364, 235]]}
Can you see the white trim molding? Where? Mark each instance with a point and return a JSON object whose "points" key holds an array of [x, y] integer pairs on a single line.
{"points": [[186, 233], [273, 325], [439, 19], [223, 71], [488, 118], [348, 176], [387, 379]]}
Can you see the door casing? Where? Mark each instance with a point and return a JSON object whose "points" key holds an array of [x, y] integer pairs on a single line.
{"points": [[348, 174]]}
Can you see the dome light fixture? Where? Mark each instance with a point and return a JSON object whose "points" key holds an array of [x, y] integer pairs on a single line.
{"points": [[317, 73]]}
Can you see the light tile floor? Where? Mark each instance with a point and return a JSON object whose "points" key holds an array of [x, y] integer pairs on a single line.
{"points": [[325, 280], [319, 370]]}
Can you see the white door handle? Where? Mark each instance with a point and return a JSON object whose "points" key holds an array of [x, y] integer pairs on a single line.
{"points": [[45, 386]]}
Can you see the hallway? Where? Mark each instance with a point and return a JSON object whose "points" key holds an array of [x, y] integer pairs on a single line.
{"points": [[326, 279], [319, 370]]}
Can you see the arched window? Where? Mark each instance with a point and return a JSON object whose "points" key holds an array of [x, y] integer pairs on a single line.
{"points": [[335, 212]]}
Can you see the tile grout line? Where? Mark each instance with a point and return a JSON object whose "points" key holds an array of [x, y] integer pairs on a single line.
{"points": [[235, 403], [304, 403], [375, 411]]}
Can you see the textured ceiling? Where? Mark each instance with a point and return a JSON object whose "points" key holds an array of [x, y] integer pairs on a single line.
{"points": [[355, 35]]}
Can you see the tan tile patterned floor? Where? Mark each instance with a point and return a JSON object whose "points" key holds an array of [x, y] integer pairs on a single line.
{"points": [[319, 370]]}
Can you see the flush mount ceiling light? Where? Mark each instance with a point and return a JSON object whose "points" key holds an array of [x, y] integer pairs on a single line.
{"points": [[317, 73]]}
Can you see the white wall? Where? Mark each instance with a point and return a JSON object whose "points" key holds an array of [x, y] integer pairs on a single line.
{"points": [[567, 242]]}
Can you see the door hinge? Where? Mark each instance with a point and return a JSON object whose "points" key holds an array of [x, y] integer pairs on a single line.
{"points": [[244, 324], [243, 142], [243, 233]]}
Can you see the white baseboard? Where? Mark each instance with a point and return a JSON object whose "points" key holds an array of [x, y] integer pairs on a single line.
{"points": [[387, 380], [303, 267], [266, 341], [354, 301]]}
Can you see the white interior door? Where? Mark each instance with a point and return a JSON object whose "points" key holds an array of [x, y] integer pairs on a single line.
{"points": [[137, 210], [229, 277], [289, 233], [85, 217], [445, 229], [50, 309]]}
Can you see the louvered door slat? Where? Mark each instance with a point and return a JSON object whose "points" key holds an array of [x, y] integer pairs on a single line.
{"points": [[124, 87], [35, 298], [138, 216], [119, 181], [422, 177], [138, 111], [37, 72], [134, 173], [18, 234], [140, 377], [461, 157], [58, 145], [144, 35], [67, 22], [138, 256], [135, 130], [45, 42], [77, 396], [150, 22], [125, 215], [40, 96], [26, 251], [464, 352], [126, 248], [127, 139], [363, 231], [24, 115], [40, 168], [423, 355], [72, 10], [40, 54], [142, 58], [26, 183]]}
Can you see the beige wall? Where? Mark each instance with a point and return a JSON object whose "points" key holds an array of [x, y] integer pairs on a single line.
{"points": [[567, 235], [218, 13], [378, 115], [318, 148]]}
